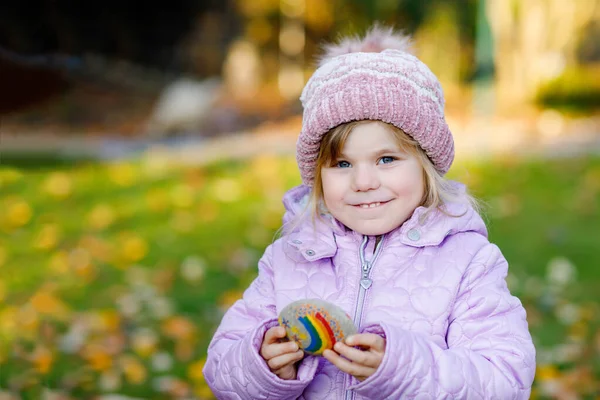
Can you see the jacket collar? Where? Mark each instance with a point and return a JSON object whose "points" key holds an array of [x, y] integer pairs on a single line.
{"points": [[432, 227], [310, 247], [317, 240]]}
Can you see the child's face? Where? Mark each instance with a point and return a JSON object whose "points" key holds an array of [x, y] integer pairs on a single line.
{"points": [[374, 186]]}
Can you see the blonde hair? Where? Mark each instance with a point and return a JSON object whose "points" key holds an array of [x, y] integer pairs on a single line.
{"points": [[438, 190]]}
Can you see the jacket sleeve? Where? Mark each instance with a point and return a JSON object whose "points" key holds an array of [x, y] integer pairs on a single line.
{"points": [[490, 352], [234, 368]]}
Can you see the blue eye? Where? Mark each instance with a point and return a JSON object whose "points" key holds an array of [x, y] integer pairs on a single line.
{"points": [[343, 164], [386, 160]]}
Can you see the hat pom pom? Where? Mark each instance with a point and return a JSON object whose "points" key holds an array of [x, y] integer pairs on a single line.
{"points": [[376, 40]]}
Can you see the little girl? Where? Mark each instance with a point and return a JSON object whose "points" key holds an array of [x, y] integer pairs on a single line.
{"points": [[377, 230]]}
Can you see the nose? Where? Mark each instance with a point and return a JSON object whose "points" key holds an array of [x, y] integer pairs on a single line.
{"points": [[364, 178]]}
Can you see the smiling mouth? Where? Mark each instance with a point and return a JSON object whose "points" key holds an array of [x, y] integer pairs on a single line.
{"points": [[371, 205]]}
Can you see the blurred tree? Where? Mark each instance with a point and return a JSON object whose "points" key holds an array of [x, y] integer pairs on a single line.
{"points": [[25, 82], [47, 47], [413, 16], [536, 41], [588, 50], [444, 32], [147, 34]]}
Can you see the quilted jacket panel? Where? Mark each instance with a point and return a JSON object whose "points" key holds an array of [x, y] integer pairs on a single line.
{"points": [[439, 297]]}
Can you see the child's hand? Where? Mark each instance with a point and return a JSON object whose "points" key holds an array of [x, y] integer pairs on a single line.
{"points": [[359, 363], [280, 355]]}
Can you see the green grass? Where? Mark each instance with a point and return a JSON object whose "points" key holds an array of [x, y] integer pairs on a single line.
{"points": [[78, 241]]}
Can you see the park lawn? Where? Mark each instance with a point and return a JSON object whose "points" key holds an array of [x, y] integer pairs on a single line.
{"points": [[114, 276]]}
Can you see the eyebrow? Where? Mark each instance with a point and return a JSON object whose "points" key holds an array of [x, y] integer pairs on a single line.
{"points": [[378, 152]]}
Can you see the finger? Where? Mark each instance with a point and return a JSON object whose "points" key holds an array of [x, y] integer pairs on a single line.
{"points": [[370, 340], [276, 349], [274, 334], [286, 373], [362, 357], [284, 360], [357, 370]]}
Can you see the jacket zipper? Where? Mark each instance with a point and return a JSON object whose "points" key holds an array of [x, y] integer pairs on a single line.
{"points": [[365, 284]]}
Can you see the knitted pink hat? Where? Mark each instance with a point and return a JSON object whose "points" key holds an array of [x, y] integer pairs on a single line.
{"points": [[373, 79]]}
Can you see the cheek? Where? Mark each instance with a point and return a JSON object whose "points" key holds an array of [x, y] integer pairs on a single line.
{"points": [[327, 188], [333, 193], [331, 186], [420, 181], [412, 183], [418, 187]]}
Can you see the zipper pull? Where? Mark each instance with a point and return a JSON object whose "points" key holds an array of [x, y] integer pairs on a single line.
{"points": [[366, 283]]}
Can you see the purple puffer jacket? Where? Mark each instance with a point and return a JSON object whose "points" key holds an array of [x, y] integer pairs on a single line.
{"points": [[435, 290]]}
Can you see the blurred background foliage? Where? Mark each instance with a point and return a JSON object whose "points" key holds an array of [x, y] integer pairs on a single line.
{"points": [[60, 57], [145, 150]]}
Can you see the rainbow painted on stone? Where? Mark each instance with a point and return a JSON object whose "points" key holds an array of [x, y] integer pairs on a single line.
{"points": [[321, 335], [315, 324]]}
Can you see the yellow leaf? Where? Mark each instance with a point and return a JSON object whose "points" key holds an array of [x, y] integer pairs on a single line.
{"points": [[144, 343], [97, 357], [229, 297], [86, 272], [28, 321], [204, 392], [134, 248], [19, 213], [97, 247], [184, 349], [47, 237], [195, 370], [178, 328], [42, 359], [122, 174], [266, 170], [101, 216], [133, 370], [81, 262], [110, 320], [59, 262], [45, 302], [58, 185], [179, 389], [226, 190], [547, 372], [579, 330], [8, 321]]}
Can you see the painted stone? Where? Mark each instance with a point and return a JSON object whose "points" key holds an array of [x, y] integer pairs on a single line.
{"points": [[316, 325]]}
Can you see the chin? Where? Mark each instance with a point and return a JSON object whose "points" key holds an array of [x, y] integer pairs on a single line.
{"points": [[371, 231]]}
